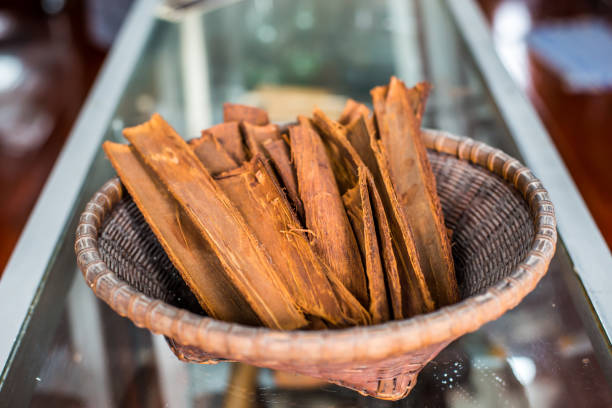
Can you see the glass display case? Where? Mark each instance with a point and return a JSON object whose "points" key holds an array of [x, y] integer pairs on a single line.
{"points": [[61, 346]]}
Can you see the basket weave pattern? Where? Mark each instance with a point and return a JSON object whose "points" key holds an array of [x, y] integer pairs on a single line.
{"points": [[503, 238]]}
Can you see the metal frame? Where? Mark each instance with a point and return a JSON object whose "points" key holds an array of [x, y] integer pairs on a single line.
{"points": [[39, 271], [584, 243]]}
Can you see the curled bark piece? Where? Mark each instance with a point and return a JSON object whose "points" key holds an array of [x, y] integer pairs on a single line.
{"points": [[188, 251], [358, 207], [254, 192], [280, 157], [385, 243], [267, 142], [233, 112], [255, 136], [217, 220], [324, 211], [355, 181], [354, 110], [210, 151], [415, 295], [228, 135], [409, 169]]}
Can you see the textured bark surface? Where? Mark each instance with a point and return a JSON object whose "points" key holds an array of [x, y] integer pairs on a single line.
{"points": [[325, 216], [210, 151], [245, 261], [228, 135], [415, 296], [187, 249], [398, 113], [352, 176], [357, 203], [353, 111], [233, 112], [267, 141], [385, 243], [255, 136], [254, 192]]}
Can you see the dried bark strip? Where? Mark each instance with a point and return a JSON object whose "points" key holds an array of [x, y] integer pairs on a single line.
{"points": [[352, 176], [181, 172], [358, 207], [209, 150], [415, 295], [399, 128], [324, 211], [354, 110], [253, 190], [233, 112], [228, 135], [188, 251], [255, 136], [385, 242], [266, 141], [357, 140]]}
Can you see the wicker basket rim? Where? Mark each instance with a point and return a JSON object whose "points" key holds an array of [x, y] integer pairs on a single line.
{"points": [[362, 344]]}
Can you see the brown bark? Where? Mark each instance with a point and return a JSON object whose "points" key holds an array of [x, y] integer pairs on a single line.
{"points": [[354, 110], [415, 295], [210, 151], [233, 112], [189, 252], [352, 176], [266, 141], [325, 216], [358, 207], [357, 138], [385, 243], [410, 172], [228, 135], [218, 221], [254, 192]]}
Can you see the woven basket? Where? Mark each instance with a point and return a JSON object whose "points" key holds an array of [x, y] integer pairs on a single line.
{"points": [[503, 238]]}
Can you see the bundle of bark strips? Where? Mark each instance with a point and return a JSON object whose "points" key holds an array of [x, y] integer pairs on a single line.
{"points": [[322, 224]]}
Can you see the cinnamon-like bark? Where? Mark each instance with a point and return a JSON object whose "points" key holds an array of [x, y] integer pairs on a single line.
{"points": [[398, 112], [358, 207], [325, 216], [355, 181], [189, 252], [228, 135], [266, 141], [354, 110], [244, 260], [254, 192], [393, 278], [233, 112], [209, 150], [415, 296]]}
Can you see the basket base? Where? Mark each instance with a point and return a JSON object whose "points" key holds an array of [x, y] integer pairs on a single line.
{"points": [[389, 379]]}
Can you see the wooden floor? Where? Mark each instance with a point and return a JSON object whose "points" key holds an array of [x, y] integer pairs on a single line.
{"points": [[579, 123]]}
